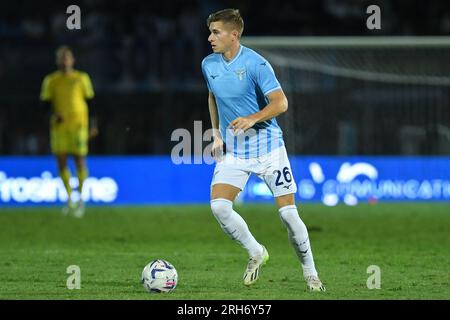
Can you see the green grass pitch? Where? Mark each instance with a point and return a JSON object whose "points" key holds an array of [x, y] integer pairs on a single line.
{"points": [[111, 245]]}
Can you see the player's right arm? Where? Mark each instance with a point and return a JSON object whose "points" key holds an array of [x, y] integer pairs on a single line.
{"points": [[217, 148], [46, 97]]}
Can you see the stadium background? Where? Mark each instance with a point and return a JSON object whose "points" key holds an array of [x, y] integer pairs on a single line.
{"points": [[368, 124], [144, 57]]}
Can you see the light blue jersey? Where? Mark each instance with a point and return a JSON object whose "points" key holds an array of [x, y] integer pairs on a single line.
{"points": [[240, 87]]}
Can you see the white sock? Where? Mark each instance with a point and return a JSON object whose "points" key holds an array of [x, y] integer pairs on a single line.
{"points": [[233, 225], [298, 236]]}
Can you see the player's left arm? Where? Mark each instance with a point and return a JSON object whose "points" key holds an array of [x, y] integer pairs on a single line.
{"points": [[278, 104], [264, 76], [88, 92], [93, 125]]}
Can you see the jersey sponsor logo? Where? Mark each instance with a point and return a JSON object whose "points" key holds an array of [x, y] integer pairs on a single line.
{"points": [[240, 73]]}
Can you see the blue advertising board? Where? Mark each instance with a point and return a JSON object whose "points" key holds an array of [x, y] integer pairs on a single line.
{"points": [[157, 180]]}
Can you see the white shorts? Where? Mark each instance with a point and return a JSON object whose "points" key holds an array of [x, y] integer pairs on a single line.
{"points": [[274, 168]]}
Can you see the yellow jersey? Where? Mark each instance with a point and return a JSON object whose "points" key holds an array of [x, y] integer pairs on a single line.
{"points": [[68, 93]]}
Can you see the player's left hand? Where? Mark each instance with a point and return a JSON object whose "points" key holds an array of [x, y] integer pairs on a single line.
{"points": [[93, 132], [242, 124]]}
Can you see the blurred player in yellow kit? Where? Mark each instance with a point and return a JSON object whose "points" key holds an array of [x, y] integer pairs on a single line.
{"points": [[67, 91]]}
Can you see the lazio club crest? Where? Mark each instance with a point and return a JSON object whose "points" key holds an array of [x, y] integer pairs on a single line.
{"points": [[240, 73]]}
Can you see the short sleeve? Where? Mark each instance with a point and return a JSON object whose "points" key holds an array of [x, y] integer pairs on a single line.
{"points": [[205, 76], [46, 92], [87, 86], [265, 77]]}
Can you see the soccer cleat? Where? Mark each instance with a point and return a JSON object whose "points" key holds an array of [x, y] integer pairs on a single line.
{"points": [[79, 210], [251, 275], [68, 208], [313, 283]]}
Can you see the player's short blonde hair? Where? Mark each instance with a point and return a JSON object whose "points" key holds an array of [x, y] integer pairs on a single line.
{"points": [[228, 16], [61, 50]]}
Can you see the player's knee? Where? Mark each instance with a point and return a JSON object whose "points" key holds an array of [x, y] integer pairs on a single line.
{"points": [[62, 161], [221, 208], [79, 162], [286, 200]]}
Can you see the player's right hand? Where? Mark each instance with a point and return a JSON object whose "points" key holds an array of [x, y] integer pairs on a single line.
{"points": [[217, 149]]}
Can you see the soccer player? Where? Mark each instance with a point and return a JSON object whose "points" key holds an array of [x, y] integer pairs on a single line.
{"points": [[66, 91], [244, 99]]}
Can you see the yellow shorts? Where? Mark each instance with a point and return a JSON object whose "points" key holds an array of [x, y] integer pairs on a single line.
{"points": [[69, 141]]}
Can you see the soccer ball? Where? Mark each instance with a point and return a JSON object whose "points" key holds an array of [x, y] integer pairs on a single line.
{"points": [[159, 276]]}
